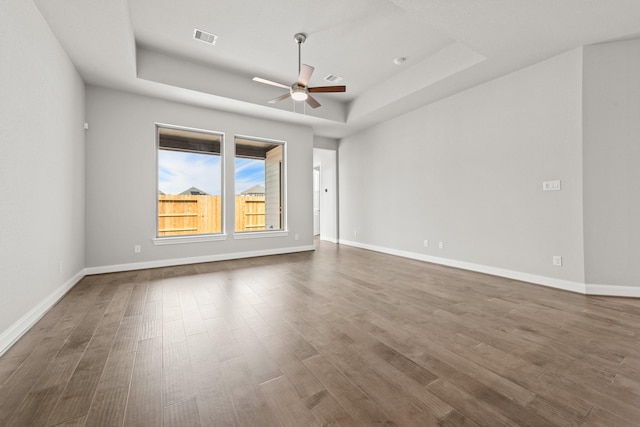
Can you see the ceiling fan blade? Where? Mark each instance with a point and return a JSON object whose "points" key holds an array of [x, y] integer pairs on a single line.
{"points": [[280, 98], [326, 89], [305, 74], [269, 82], [312, 102]]}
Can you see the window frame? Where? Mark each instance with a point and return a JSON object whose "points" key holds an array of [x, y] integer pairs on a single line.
{"points": [[284, 230], [190, 238]]}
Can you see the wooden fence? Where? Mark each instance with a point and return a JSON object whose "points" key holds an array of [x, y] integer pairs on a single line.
{"points": [[181, 215], [250, 213]]}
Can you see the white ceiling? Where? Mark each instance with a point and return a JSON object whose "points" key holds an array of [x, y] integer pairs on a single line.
{"points": [[146, 47]]}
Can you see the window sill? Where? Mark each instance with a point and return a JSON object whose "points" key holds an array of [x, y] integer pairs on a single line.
{"points": [[177, 240], [260, 234]]}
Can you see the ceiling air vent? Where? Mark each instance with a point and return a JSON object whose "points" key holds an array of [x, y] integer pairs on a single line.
{"points": [[203, 36], [332, 78]]}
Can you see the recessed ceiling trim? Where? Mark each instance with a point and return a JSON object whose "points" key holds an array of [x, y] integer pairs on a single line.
{"points": [[204, 36]]}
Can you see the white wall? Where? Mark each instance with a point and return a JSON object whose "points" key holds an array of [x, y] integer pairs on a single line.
{"points": [[612, 163], [468, 171], [121, 180], [41, 169]]}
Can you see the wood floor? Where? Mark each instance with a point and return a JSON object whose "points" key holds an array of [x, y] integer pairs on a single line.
{"points": [[340, 336]]}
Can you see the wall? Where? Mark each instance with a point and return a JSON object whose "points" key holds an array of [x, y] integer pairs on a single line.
{"points": [[41, 170], [468, 171], [121, 171], [325, 143], [612, 163]]}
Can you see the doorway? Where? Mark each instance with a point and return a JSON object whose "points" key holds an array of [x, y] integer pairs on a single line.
{"points": [[325, 195], [316, 201]]}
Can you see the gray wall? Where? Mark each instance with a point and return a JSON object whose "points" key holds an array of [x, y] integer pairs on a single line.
{"points": [[325, 143], [121, 178], [41, 168], [612, 163], [468, 171]]}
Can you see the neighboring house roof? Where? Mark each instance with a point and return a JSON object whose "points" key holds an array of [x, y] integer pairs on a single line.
{"points": [[256, 189], [194, 191]]}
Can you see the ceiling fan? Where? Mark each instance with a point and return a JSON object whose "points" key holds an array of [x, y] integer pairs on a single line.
{"points": [[299, 90]]}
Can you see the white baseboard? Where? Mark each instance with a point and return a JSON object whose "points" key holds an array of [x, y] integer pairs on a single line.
{"points": [[614, 291], [567, 285], [22, 325], [328, 239], [194, 260]]}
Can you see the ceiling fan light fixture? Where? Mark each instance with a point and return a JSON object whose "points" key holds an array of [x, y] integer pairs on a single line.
{"points": [[299, 93]]}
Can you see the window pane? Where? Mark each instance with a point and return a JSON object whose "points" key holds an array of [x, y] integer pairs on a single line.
{"points": [[259, 185], [189, 182]]}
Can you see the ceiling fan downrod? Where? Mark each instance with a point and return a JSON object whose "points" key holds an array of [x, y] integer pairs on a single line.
{"points": [[300, 38]]}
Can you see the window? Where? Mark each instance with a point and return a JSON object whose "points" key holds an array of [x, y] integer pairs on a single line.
{"points": [[259, 172], [189, 182]]}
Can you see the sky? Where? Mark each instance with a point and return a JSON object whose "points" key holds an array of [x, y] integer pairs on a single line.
{"points": [[249, 172], [179, 171]]}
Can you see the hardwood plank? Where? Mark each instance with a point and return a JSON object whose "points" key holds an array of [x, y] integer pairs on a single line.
{"points": [[42, 398], [117, 370], [77, 422], [472, 408], [250, 404], [404, 364], [574, 389], [145, 400], [8, 365], [261, 365], [177, 383], [601, 418], [182, 414], [148, 358], [17, 387], [362, 408], [286, 404], [456, 419], [215, 407], [108, 407], [326, 409], [557, 413], [78, 394], [403, 407], [303, 381]]}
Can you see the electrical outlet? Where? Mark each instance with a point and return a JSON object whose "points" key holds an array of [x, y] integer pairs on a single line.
{"points": [[137, 249], [296, 236], [426, 243], [59, 266], [557, 260], [551, 185], [355, 233], [441, 245]]}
